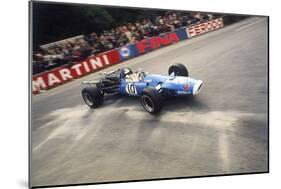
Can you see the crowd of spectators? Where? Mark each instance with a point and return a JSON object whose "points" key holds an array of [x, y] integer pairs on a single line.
{"points": [[69, 52]]}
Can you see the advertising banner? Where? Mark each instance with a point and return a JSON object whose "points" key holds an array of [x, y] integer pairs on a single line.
{"points": [[199, 29], [128, 51], [58, 76], [156, 42]]}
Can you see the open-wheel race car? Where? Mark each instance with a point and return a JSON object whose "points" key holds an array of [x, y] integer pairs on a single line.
{"points": [[151, 88]]}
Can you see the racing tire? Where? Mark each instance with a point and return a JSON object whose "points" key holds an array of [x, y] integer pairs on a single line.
{"points": [[92, 96], [151, 100], [179, 70]]}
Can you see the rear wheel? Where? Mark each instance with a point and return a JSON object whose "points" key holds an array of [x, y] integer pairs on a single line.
{"points": [[151, 100], [178, 69], [92, 96]]}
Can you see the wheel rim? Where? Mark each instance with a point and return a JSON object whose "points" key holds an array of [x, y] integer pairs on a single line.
{"points": [[88, 99], [147, 103]]}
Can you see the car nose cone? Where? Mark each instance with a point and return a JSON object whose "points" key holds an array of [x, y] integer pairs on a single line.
{"points": [[197, 87]]}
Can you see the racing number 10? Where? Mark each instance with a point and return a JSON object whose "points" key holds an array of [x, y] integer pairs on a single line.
{"points": [[131, 88]]}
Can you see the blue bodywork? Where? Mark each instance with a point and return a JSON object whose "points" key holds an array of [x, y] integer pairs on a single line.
{"points": [[166, 85]]}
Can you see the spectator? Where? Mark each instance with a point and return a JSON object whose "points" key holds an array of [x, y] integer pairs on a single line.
{"points": [[92, 44]]}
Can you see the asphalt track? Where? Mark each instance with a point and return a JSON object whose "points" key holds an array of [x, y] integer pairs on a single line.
{"points": [[224, 130]]}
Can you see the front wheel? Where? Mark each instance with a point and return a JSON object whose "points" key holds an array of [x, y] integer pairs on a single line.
{"points": [[92, 96], [178, 69], [151, 100]]}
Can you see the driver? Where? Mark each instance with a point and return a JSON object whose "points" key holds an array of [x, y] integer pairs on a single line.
{"points": [[132, 77]]}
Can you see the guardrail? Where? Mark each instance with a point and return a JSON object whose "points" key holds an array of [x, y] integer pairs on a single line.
{"points": [[61, 75]]}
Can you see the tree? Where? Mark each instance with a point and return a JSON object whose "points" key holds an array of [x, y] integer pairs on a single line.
{"points": [[54, 21]]}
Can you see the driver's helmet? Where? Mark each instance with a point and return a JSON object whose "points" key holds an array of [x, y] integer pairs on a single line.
{"points": [[125, 71]]}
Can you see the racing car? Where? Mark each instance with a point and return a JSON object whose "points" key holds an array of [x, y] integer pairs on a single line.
{"points": [[151, 88]]}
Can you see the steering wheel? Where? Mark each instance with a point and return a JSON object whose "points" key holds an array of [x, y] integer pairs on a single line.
{"points": [[141, 75]]}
